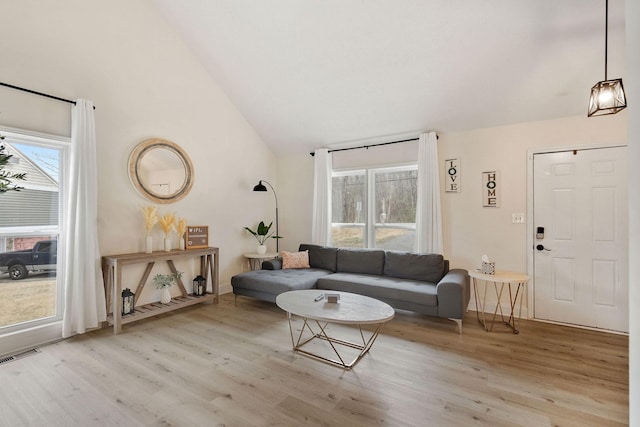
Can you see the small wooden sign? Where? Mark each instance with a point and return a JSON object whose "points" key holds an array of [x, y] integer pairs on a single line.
{"points": [[197, 236]]}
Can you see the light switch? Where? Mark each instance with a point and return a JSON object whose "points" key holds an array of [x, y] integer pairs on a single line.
{"points": [[517, 218]]}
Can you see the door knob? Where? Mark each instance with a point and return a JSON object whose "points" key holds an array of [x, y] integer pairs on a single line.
{"points": [[542, 248]]}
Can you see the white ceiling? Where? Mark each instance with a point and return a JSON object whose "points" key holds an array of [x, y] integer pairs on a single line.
{"points": [[313, 73]]}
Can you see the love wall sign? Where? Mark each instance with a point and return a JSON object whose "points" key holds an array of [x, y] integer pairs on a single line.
{"points": [[452, 176]]}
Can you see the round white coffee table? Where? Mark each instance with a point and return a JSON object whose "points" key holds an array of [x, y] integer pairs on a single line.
{"points": [[317, 313]]}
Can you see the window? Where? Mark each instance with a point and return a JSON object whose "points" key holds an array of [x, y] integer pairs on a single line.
{"points": [[349, 213], [375, 208], [30, 288]]}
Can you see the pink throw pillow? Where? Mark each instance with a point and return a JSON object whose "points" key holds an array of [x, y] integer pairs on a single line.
{"points": [[295, 260]]}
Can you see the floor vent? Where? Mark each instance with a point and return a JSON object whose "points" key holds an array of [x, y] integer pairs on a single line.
{"points": [[7, 359], [20, 355]]}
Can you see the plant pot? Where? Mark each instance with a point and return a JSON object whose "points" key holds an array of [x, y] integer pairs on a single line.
{"points": [[165, 298], [262, 249]]}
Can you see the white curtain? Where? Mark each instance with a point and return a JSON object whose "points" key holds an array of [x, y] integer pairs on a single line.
{"points": [[321, 225], [428, 210], [83, 285]]}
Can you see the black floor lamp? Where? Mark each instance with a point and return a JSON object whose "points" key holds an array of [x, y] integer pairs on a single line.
{"points": [[261, 187]]}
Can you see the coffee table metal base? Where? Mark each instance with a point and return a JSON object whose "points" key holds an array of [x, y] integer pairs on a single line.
{"points": [[321, 334]]}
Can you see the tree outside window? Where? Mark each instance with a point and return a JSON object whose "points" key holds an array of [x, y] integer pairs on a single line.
{"points": [[375, 208]]}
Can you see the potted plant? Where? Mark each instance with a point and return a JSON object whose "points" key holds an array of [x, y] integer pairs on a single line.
{"points": [[262, 234], [164, 282]]}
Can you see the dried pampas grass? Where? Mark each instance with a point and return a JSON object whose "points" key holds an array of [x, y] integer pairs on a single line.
{"points": [[150, 214], [167, 223], [182, 227]]}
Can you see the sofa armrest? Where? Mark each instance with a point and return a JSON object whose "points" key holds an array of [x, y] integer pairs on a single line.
{"points": [[453, 292], [272, 264]]}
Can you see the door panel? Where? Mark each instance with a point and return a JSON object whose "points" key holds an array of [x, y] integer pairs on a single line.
{"points": [[563, 279], [604, 280], [563, 208], [580, 266]]}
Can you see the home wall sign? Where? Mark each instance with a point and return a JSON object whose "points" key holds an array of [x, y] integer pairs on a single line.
{"points": [[491, 189], [452, 176], [197, 236]]}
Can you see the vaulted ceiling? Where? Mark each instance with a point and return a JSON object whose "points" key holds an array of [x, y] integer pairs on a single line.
{"points": [[313, 73]]}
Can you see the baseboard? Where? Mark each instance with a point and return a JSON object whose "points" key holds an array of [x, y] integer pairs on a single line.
{"points": [[29, 338]]}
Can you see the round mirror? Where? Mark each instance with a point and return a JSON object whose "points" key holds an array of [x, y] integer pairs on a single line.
{"points": [[160, 170]]}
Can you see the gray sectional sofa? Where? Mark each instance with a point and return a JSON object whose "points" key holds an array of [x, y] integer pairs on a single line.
{"points": [[420, 283]]}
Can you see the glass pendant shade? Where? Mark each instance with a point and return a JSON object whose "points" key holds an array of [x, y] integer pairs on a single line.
{"points": [[607, 97]]}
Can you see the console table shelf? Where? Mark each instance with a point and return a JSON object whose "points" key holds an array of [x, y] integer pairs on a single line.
{"points": [[155, 308], [112, 271]]}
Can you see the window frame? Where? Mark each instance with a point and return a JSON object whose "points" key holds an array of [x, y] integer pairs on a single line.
{"points": [[369, 238], [63, 145]]}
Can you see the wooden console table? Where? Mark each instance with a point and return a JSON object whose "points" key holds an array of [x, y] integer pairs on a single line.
{"points": [[112, 272]]}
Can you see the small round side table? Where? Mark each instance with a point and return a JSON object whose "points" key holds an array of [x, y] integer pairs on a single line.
{"points": [[255, 259], [499, 280]]}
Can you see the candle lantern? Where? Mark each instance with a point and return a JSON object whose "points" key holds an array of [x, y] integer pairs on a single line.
{"points": [[128, 301], [199, 286]]}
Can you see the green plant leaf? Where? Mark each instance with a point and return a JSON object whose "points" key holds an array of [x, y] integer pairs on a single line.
{"points": [[263, 229], [166, 280], [261, 233], [251, 231]]}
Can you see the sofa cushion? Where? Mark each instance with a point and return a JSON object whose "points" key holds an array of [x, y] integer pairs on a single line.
{"points": [[295, 259], [365, 261], [381, 287], [278, 281], [406, 265], [323, 257]]}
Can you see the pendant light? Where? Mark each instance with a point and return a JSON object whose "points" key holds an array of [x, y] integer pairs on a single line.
{"points": [[607, 96]]}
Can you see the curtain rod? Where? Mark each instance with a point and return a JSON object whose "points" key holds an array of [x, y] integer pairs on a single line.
{"points": [[372, 145], [39, 93]]}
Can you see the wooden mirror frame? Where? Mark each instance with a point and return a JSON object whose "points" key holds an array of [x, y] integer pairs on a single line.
{"points": [[135, 159]]}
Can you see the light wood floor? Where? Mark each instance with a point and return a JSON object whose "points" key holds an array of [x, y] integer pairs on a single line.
{"points": [[228, 365]]}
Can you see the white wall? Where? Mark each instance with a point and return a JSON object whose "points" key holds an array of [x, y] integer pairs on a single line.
{"points": [[144, 82], [469, 229], [295, 197], [632, 85]]}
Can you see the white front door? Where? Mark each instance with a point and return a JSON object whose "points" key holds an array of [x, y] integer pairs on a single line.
{"points": [[580, 254]]}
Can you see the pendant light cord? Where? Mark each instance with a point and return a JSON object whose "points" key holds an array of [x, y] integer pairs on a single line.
{"points": [[606, 36]]}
